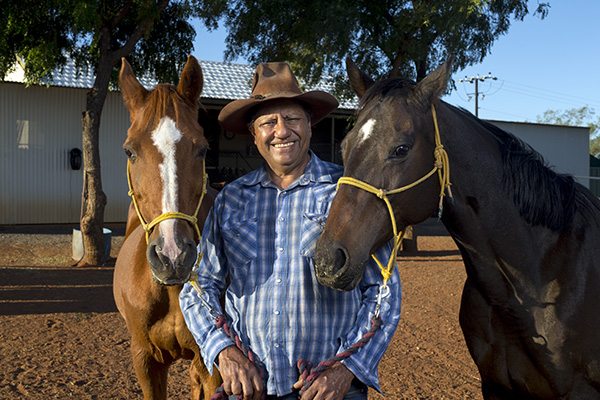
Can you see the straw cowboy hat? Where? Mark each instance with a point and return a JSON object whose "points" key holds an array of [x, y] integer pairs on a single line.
{"points": [[272, 81]]}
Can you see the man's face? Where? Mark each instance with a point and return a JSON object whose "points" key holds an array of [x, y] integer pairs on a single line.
{"points": [[282, 135]]}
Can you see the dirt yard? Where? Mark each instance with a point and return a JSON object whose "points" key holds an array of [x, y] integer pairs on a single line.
{"points": [[61, 337]]}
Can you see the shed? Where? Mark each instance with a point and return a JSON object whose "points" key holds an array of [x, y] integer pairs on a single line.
{"points": [[40, 125]]}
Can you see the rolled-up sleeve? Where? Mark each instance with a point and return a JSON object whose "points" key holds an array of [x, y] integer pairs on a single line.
{"points": [[200, 316], [364, 362]]}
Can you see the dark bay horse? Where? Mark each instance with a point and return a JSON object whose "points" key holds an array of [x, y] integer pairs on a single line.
{"points": [[529, 237], [166, 148]]}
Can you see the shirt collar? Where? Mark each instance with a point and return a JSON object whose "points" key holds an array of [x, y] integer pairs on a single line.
{"points": [[315, 171]]}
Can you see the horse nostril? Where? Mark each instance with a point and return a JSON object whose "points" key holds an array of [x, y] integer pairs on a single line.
{"points": [[339, 260]]}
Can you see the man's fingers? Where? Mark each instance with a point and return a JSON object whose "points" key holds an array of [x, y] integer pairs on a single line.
{"points": [[258, 387], [236, 388], [247, 388], [299, 383]]}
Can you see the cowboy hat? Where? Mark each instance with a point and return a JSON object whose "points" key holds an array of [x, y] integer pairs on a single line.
{"points": [[272, 81]]}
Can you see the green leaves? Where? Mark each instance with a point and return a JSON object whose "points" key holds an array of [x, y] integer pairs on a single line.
{"points": [[391, 37]]}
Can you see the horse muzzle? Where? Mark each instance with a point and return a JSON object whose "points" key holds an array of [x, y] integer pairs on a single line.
{"points": [[333, 267], [171, 262]]}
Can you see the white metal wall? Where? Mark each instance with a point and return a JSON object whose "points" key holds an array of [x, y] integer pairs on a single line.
{"points": [[565, 148], [38, 127]]}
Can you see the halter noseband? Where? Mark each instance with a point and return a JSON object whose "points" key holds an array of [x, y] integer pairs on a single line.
{"points": [[441, 166], [192, 219]]}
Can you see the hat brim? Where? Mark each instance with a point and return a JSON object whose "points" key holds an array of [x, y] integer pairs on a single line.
{"points": [[235, 116]]}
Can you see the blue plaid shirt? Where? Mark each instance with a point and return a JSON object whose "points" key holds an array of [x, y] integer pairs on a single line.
{"points": [[261, 240]]}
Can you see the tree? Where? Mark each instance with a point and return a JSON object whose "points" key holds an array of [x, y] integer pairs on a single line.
{"points": [[582, 116], [393, 37], [154, 34]]}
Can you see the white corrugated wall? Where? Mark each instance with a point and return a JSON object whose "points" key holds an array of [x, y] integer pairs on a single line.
{"points": [[38, 127]]}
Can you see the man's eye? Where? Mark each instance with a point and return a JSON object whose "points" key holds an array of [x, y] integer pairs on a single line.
{"points": [[268, 123]]}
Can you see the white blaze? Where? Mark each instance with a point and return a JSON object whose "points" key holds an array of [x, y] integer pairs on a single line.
{"points": [[165, 138], [366, 130]]}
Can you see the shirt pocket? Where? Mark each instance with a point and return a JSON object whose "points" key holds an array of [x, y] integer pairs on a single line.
{"points": [[240, 241], [312, 226]]}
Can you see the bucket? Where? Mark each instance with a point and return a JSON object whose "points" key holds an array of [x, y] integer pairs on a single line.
{"points": [[77, 244]]}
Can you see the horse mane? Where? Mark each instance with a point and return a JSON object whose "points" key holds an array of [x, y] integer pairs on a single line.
{"points": [[384, 88], [543, 196]]}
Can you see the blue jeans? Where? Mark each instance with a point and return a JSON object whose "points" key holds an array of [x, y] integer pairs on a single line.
{"points": [[358, 391]]}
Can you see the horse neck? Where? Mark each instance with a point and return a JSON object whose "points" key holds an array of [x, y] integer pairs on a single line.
{"points": [[493, 237]]}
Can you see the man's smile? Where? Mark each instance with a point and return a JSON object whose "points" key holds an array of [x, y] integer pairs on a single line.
{"points": [[283, 145]]}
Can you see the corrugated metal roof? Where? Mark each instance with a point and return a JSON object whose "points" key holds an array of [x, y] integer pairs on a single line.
{"points": [[221, 81]]}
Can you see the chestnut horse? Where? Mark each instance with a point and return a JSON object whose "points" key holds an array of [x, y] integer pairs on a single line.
{"points": [[529, 237], [166, 148]]}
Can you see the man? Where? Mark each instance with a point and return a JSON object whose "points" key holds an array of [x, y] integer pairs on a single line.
{"points": [[258, 243]]}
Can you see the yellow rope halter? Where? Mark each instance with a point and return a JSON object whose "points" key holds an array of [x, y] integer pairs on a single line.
{"points": [[193, 219], [441, 166]]}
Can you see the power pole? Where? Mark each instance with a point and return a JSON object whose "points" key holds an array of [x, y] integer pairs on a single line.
{"points": [[476, 79]]}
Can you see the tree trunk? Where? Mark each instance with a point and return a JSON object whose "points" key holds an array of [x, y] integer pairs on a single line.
{"points": [[93, 198]]}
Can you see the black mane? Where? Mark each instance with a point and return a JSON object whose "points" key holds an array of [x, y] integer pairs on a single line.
{"points": [[543, 196]]}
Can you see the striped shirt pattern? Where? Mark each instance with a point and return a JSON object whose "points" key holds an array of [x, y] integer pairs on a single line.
{"points": [[258, 245]]}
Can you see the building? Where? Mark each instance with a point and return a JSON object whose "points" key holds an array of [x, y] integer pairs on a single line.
{"points": [[40, 133], [40, 126]]}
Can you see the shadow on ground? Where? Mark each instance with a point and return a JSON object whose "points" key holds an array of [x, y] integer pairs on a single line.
{"points": [[30, 290]]}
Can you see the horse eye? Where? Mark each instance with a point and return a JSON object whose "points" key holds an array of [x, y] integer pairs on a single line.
{"points": [[400, 151], [129, 153]]}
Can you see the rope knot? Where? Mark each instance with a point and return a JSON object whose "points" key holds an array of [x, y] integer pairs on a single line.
{"points": [[380, 193]]}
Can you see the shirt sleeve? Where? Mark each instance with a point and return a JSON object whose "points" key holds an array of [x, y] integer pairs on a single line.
{"points": [[211, 275], [364, 362]]}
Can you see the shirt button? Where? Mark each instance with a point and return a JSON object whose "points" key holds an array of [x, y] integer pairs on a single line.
{"points": [[276, 312], [282, 219], [276, 345], [280, 249], [278, 280]]}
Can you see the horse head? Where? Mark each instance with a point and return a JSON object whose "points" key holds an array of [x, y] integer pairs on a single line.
{"points": [[391, 147], [166, 149]]}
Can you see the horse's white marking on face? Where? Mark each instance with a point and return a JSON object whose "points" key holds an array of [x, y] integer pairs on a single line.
{"points": [[366, 130], [165, 138]]}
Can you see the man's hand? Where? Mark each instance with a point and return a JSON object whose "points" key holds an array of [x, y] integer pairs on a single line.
{"points": [[332, 384], [240, 375]]}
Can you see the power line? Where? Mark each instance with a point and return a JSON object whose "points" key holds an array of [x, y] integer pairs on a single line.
{"points": [[476, 79]]}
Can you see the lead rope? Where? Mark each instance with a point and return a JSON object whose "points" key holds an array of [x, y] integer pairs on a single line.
{"points": [[442, 167], [221, 323], [309, 374]]}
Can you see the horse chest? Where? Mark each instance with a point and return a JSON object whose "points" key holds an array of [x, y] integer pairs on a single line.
{"points": [[518, 349], [170, 333]]}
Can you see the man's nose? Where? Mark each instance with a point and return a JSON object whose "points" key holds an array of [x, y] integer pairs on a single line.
{"points": [[281, 129]]}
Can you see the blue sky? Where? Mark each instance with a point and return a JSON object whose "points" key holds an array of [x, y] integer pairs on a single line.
{"points": [[539, 64]]}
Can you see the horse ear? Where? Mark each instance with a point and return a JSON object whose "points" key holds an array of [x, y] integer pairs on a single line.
{"points": [[433, 86], [359, 81], [191, 80], [132, 90]]}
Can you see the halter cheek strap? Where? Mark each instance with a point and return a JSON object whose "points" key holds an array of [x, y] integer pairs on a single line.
{"points": [[441, 166], [192, 219]]}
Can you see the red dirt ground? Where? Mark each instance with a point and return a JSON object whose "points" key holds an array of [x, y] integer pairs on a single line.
{"points": [[61, 337]]}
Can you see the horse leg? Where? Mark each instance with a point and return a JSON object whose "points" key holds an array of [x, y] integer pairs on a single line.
{"points": [[152, 374], [204, 385]]}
